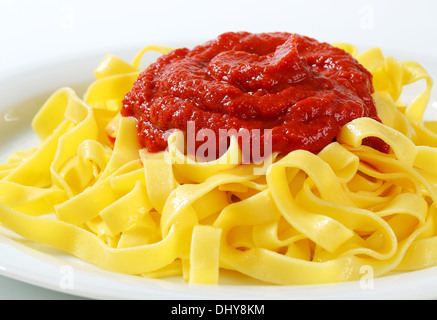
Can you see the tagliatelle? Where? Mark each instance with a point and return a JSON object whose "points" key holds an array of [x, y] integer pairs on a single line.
{"points": [[303, 218]]}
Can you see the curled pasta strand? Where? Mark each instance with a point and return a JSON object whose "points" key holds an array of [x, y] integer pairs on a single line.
{"points": [[302, 219], [355, 131]]}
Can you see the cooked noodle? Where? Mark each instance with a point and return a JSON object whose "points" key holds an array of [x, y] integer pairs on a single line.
{"points": [[307, 218]]}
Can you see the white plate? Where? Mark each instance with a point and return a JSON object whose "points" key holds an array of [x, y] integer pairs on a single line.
{"points": [[21, 96]]}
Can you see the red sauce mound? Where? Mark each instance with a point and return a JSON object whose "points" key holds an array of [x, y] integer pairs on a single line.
{"points": [[302, 89]]}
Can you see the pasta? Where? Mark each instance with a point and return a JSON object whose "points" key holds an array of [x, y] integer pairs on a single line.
{"points": [[89, 190]]}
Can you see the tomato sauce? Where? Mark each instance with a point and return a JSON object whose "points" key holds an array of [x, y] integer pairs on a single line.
{"points": [[301, 89]]}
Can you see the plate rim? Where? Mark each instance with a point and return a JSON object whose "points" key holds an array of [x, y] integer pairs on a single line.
{"points": [[351, 290]]}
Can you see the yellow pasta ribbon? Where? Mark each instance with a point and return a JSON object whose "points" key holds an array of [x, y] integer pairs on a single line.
{"points": [[88, 189], [204, 255]]}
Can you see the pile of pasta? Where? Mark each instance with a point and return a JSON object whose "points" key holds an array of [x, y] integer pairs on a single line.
{"points": [[305, 219]]}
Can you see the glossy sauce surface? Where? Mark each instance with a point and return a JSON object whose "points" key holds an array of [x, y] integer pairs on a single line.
{"points": [[301, 89]]}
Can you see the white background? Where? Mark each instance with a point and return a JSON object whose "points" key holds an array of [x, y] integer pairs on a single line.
{"points": [[34, 33]]}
